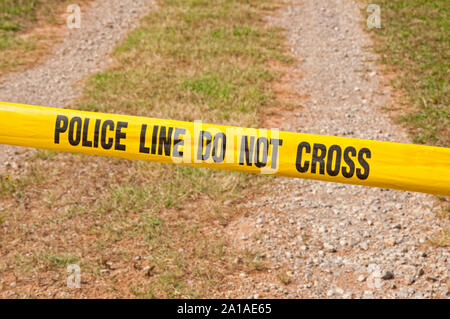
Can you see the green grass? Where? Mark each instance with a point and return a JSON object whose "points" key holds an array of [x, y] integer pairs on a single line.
{"points": [[18, 17], [415, 41], [15, 13], [193, 60], [441, 239], [16, 185], [14, 16], [44, 261], [188, 60], [58, 260]]}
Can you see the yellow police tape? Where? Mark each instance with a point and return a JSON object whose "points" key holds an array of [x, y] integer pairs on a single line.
{"points": [[334, 159]]}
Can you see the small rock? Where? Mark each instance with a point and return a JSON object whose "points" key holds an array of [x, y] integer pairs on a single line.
{"points": [[329, 247], [361, 278], [110, 265], [368, 294], [353, 242], [149, 270], [390, 241], [431, 279], [388, 275]]}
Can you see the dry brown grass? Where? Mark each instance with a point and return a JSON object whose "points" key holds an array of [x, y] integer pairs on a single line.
{"points": [[28, 31], [414, 44], [442, 238], [131, 236], [136, 229]]}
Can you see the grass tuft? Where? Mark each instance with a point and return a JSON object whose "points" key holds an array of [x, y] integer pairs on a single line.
{"points": [[19, 46], [415, 42]]}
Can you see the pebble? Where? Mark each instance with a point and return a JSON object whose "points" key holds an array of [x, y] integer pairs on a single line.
{"points": [[361, 278], [364, 246], [329, 247], [388, 275]]}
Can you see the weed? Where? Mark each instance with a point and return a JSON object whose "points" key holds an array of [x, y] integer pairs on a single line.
{"points": [[415, 42]]}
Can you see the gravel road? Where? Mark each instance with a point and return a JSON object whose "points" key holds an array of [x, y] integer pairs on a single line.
{"points": [[320, 239], [331, 240], [84, 51]]}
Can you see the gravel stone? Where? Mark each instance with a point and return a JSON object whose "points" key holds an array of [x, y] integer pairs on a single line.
{"points": [[335, 73], [388, 275], [83, 51]]}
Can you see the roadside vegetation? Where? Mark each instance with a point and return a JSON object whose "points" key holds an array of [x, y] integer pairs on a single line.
{"points": [[21, 44], [414, 42], [141, 229]]}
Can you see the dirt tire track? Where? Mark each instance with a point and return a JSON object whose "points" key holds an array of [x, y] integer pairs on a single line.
{"points": [[325, 240], [83, 51]]}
